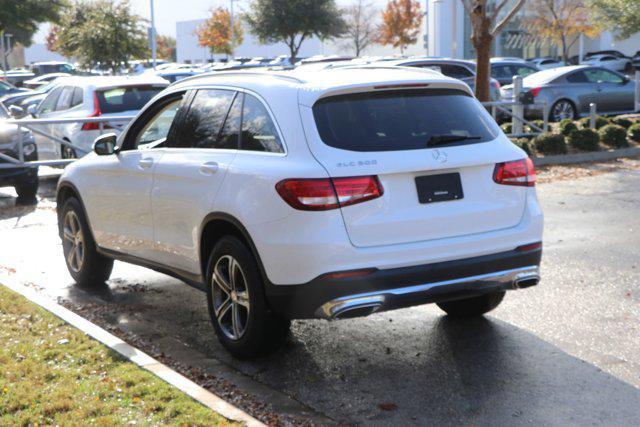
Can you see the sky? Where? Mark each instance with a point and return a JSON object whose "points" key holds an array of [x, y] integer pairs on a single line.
{"points": [[168, 12]]}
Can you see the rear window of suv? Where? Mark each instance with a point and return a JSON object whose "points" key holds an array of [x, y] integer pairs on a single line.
{"points": [[401, 119], [128, 98]]}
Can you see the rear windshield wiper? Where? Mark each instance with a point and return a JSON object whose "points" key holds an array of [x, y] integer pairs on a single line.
{"points": [[436, 140]]}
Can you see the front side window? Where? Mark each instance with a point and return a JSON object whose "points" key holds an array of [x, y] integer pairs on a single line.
{"points": [[523, 71], [258, 130], [602, 76], [501, 72], [202, 124], [401, 119], [157, 128]]}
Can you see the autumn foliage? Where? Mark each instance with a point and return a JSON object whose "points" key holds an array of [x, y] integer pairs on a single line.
{"points": [[215, 33], [401, 22]]}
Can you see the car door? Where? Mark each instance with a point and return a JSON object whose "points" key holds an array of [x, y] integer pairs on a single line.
{"points": [[118, 200], [190, 173], [581, 89], [615, 93], [47, 148]]}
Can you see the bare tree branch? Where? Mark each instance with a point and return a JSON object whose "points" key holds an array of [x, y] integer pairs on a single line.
{"points": [[500, 26]]}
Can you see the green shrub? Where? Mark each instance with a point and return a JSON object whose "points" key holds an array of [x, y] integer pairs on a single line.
{"points": [[584, 139], [600, 122], [550, 143], [613, 136], [622, 121], [524, 144], [538, 123], [567, 126], [506, 127], [634, 132]]}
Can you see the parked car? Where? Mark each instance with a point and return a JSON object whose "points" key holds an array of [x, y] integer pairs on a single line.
{"points": [[323, 194], [546, 63], [82, 97], [7, 88], [505, 69], [48, 67], [174, 75], [455, 68], [25, 100], [43, 80], [610, 62], [23, 179], [568, 91], [636, 60], [16, 77]]}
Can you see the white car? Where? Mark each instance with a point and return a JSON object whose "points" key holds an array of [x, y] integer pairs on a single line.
{"points": [[84, 97], [610, 62], [326, 194], [547, 63]]}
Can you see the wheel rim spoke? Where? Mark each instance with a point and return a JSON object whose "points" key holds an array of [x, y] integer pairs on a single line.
{"points": [[230, 296], [74, 247], [223, 309]]}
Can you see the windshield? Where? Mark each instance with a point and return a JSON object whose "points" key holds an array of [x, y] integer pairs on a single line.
{"points": [[402, 119], [128, 98]]}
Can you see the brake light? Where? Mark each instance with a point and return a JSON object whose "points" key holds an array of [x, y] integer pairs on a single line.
{"points": [[328, 193], [535, 91], [96, 113], [529, 247], [519, 172]]}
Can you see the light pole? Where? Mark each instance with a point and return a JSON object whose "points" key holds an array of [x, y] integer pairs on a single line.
{"points": [[233, 33], [153, 37]]}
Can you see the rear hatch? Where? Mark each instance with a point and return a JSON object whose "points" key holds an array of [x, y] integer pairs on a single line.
{"points": [[430, 190]]}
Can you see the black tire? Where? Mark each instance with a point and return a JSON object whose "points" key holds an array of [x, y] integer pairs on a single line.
{"points": [[563, 104], [472, 307], [259, 331], [68, 153], [27, 191], [90, 269]]}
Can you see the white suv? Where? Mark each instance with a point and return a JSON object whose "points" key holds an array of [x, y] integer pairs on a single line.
{"points": [[325, 194]]}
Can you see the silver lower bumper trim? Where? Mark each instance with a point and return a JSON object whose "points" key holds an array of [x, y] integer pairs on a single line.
{"points": [[370, 302]]}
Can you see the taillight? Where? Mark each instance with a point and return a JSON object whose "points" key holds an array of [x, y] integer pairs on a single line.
{"points": [[328, 193], [96, 113], [518, 172], [535, 91]]}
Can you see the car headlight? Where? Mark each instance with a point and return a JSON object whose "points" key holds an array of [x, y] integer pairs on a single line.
{"points": [[28, 149]]}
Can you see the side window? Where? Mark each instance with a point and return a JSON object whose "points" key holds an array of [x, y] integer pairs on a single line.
{"points": [[49, 103], [231, 130], [602, 76], [158, 126], [455, 71], [64, 102], [501, 72], [201, 126], [78, 95], [258, 131], [578, 77], [523, 71]]}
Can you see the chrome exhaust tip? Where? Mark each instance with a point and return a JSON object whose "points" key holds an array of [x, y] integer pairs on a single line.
{"points": [[526, 281]]}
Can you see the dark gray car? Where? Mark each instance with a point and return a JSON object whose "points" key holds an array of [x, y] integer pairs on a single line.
{"points": [[23, 179], [568, 91]]}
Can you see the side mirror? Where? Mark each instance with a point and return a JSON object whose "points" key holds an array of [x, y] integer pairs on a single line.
{"points": [[105, 145], [31, 109], [16, 111]]}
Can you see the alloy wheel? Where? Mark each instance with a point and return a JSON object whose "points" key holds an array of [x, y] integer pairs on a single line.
{"points": [[73, 241], [562, 110], [230, 297]]}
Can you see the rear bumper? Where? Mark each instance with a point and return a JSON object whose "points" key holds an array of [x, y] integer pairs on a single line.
{"points": [[389, 289]]}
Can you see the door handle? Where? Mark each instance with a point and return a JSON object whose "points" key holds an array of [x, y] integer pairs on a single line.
{"points": [[209, 168], [145, 163]]}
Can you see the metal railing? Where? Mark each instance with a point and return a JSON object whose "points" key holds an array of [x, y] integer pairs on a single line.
{"points": [[32, 124]]}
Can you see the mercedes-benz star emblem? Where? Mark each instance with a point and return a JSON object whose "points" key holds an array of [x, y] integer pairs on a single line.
{"points": [[439, 156]]}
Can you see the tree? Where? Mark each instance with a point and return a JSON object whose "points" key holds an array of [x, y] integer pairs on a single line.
{"points": [[294, 21], [21, 18], [561, 21], [485, 24], [101, 32], [621, 16], [361, 30], [166, 48], [401, 22], [215, 33]]}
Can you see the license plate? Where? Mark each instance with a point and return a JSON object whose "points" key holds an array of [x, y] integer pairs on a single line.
{"points": [[439, 188]]}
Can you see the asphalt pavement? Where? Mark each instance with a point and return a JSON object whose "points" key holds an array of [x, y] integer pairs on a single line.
{"points": [[566, 352]]}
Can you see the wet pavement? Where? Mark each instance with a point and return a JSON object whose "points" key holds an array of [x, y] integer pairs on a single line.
{"points": [[564, 353]]}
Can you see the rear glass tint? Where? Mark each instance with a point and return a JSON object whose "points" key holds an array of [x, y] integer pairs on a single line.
{"points": [[128, 98], [401, 120]]}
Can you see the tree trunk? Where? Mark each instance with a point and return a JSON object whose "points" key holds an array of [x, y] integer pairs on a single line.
{"points": [[483, 69]]}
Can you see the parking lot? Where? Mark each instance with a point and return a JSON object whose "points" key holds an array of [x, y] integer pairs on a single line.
{"points": [[564, 353]]}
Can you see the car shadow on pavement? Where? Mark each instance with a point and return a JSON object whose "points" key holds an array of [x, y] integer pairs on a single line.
{"points": [[15, 207], [409, 366]]}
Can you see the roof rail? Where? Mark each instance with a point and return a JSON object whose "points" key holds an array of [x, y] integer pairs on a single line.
{"points": [[389, 67], [239, 73]]}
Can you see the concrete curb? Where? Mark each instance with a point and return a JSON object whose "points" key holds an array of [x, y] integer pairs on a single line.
{"points": [[136, 356], [595, 156]]}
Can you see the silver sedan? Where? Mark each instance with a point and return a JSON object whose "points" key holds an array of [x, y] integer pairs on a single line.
{"points": [[568, 91]]}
